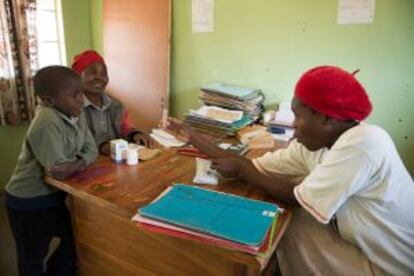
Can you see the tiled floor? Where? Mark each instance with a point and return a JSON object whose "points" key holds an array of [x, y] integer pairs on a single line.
{"points": [[8, 263]]}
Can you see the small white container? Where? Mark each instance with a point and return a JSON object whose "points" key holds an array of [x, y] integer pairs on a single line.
{"points": [[132, 156], [118, 146]]}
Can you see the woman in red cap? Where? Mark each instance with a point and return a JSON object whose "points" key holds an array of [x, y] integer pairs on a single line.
{"points": [[107, 117], [353, 197]]}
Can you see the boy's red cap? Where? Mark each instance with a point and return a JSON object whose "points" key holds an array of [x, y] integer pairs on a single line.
{"points": [[334, 93], [84, 59]]}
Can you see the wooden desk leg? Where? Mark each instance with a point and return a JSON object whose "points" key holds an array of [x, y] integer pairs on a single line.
{"points": [[272, 269], [243, 270], [69, 204]]}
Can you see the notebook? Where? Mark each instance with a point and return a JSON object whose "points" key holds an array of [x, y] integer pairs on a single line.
{"points": [[183, 233], [226, 216]]}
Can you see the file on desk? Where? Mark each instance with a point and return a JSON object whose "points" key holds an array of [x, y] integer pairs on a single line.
{"points": [[227, 216]]}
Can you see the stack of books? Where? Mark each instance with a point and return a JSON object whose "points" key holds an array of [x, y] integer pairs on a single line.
{"points": [[256, 137], [248, 100], [281, 126], [217, 120], [212, 217]]}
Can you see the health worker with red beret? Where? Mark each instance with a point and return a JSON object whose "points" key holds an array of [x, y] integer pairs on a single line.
{"points": [[352, 197]]}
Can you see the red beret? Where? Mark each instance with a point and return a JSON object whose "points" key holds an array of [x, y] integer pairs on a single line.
{"points": [[84, 59], [334, 93]]}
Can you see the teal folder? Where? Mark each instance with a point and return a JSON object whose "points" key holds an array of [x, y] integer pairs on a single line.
{"points": [[227, 216], [235, 92]]}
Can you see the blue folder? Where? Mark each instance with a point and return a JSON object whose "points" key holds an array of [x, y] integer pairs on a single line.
{"points": [[227, 216], [232, 91]]}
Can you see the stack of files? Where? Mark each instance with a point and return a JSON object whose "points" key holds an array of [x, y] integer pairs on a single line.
{"points": [[212, 217], [284, 115], [217, 120], [256, 136], [281, 126], [248, 100]]}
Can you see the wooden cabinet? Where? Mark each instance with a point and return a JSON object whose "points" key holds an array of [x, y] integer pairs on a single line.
{"points": [[137, 52]]}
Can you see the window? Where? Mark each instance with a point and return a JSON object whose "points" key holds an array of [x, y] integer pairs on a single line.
{"points": [[50, 41], [31, 37]]}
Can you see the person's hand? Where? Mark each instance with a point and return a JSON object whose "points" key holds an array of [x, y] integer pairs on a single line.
{"points": [[105, 148], [63, 170], [227, 167], [180, 129], [144, 139]]}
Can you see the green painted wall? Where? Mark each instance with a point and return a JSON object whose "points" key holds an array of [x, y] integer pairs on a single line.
{"points": [[97, 25], [77, 27], [11, 138], [268, 44]]}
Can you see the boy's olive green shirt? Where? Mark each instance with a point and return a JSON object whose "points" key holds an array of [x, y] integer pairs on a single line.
{"points": [[51, 139]]}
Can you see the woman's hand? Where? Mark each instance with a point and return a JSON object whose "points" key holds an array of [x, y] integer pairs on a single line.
{"points": [[180, 129], [227, 167], [144, 139]]}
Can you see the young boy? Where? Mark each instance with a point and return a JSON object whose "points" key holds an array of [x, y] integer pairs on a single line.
{"points": [[58, 143], [355, 194], [107, 117]]}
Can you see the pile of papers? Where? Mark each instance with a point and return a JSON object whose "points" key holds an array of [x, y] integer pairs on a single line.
{"points": [[217, 120], [256, 137], [204, 174], [165, 139], [248, 100], [212, 217], [281, 126]]}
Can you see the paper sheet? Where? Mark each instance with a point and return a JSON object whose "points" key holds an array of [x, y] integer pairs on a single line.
{"points": [[356, 11], [204, 174], [219, 114], [202, 15], [165, 139]]}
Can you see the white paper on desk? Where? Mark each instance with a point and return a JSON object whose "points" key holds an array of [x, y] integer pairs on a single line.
{"points": [[202, 15], [219, 114], [224, 145], [204, 173], [356, 11], [286, 137], [165, 139]]}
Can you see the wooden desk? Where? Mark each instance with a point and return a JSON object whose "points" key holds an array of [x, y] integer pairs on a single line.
{"points": [[106, 195]]}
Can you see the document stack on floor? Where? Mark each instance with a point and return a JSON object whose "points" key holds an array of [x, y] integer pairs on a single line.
{"points": [[248, 100], [217, 120], [212, 217]]}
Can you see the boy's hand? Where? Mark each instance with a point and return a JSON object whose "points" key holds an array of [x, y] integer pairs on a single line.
{"points": [[105, 148], [227, 167], [64, 170]]}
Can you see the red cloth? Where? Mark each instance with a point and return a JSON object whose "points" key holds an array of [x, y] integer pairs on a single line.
{"points": [[84, 59], [334, 93], [127, 126]]}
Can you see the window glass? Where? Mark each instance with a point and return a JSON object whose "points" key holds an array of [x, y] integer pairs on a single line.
{"points": [[51, 50]]}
